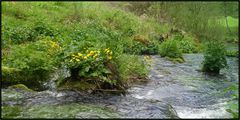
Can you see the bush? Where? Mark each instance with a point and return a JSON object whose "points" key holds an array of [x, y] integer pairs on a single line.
{"points": [[41, 28], [26, 33], [214, 57], [170, 49], [31, 64], [93, 64], [187, 45], [130, 69], [16, 35], [141, 49]]}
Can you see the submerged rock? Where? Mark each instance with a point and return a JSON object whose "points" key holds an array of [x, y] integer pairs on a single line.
{"points": [[72, 110], [72, 104], [20, 87]]}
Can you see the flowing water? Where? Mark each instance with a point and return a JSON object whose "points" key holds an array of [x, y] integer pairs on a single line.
{"points": [[174, 90], [192, 94]]}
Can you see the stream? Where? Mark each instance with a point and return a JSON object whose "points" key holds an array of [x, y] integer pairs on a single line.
{"points": [[174, 91]]}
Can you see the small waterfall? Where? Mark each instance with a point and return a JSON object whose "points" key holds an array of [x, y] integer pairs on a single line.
{"points": [[59, 74]]}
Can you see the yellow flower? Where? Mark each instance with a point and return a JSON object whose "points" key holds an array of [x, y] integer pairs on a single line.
{"points": [[95, 55], [88, 55], [73, 55], [85, 57], [91, 52], [79, 54], [109, 57], [77, 60]]}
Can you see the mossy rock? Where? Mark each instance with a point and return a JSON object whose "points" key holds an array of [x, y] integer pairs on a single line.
{"points": [[20, 86], [77, 85], [176, 60], [11, 111], [141, 38], [10, 75], [72, 110], [13, 76]]}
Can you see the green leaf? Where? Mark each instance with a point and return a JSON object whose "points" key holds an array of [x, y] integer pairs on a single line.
{"points": [[87, 68]]}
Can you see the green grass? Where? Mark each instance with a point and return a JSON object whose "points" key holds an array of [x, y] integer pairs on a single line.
{"points": [[232, 22], [74, 26]]}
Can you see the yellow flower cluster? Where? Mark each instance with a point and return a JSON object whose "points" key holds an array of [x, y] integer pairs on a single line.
{"points": [[76, 57], [80, 56], [90, 54], [93, 53], [109, 53], [54, 44]]}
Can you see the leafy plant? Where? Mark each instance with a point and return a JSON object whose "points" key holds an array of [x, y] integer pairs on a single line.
{"points": [[186, 45], [232, 53], [133, 68], [232, 106], [33, 63], [170, 49], [17, 35], [90, 63], [214, 57]]}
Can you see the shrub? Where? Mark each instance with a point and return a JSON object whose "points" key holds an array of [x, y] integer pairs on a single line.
{"points": [[17, 35], [214, 57], [187, 45], [170, 49], [89, 63], [45, 29], [26, 33], [141, 49], [130, 69], [150, 49], [32, 64]]}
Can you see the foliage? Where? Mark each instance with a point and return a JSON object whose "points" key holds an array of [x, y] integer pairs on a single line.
{"points": [[41, 28], [195, 17], [90, 64], [133, 68], [139, 48], [185, 42], [33, 62], [214, 57], [16, 35], [170, 49], [232, 106], [231, 53]]}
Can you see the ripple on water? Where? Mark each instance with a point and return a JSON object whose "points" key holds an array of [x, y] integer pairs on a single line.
{"points": [[192, 93]]}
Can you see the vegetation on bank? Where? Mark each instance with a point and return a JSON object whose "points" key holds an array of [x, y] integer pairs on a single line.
{"points": [[214, 57], [99, 43]]}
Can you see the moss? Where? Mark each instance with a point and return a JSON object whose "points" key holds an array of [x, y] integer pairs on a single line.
{"points": [[13, 76], [69, 111], [72, 110], [11, 111], [10, 75], [77, 85], [176, 60], [21, 86]]}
